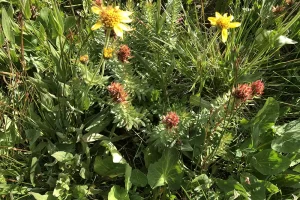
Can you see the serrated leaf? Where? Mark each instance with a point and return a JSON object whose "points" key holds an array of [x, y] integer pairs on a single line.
{"points": [[166, 171], [138, 178], [118, 193], [62, 156], [289, 142], [269, 162]]}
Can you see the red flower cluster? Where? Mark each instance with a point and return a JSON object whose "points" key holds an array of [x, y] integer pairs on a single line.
{"points": [[171, 119], [117, 92], [258, 87], [124, 53], [246, 91]]}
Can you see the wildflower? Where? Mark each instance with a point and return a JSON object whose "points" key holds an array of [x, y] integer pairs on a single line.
{"points": [[278, 9], [124, 53], [224, 23], [247, 180], [117, 92], [84, 59], [289, 2], [257, 87], [112, 18], [243, 92], [108, 52], [171, 119], [98, 2]]}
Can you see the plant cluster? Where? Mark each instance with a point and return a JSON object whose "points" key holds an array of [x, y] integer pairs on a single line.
{"points": [[137, 100]]}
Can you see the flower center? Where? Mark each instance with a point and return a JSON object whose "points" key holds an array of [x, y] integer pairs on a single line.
{"points": [[223, 23], [110, 17]]}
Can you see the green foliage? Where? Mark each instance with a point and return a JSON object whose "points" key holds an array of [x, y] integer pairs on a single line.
{"points": [[65, 133]]}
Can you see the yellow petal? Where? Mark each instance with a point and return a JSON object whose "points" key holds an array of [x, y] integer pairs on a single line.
{"points": [[234, 24], [126, 20], [96, 26], [96, 10], [125, 13], [218, 15], [224, 35], [118, 31], [231, 17], [124, 27], [225, 15], [213, 20]]}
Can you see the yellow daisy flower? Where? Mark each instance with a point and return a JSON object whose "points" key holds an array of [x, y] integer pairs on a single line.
{"points": [[112, 18], [224, 23]]}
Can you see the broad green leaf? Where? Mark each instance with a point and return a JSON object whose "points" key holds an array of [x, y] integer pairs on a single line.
{"points": [[62, 156], [118, 193], [255, 187], [98, 124], [26, 9], [7, 26], [264, 119], [106, 167], [230, 186], [92, 137], [289, 142], [271, 187], [166, 171], [138, 178], [269, 162], [34, 163], [32, 135], [151, 155]]}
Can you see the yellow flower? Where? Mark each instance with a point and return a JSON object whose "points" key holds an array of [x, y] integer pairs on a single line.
{"points": [[84, 59], [224, 23], [108, 52], [112, 18]]}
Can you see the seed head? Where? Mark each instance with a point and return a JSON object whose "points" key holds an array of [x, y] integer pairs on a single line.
{"points": [[258, 87], [124, 53], [117, 92], [243, 92], [171, 120]]}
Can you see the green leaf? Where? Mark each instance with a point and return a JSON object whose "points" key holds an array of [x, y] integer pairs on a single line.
{"points": [[128, 171], [106, 167], [34, 163], [287, 180], [138, 178], [269, 162], [265, 118], [80, 192], [47, 196], [117, 157], [7, 26], [230, 186], [62, 156], [118, 193], [70, 21], [26, 9], [166, 171], [32, 135], [92, 137], [99, 123], [289, 142]]}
